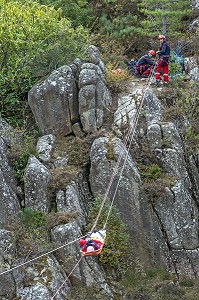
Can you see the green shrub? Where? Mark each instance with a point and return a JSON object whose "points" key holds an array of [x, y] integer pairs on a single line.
{"points": [[119, 27], [171, 291], [35, 40], [114, 252], [187, 282], [31, 218], [78, 11], [156, 189], [150, 173], [19, 155]]}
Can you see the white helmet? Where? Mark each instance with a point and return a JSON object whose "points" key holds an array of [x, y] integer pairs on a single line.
{"points": [[90, 249]]}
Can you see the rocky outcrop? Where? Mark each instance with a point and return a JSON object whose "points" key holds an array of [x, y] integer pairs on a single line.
{"points": [[7, 255], [42, 281], [36, 183], [191, 68], [9, 204], [118, 174], [175, 210], [71, 94], [44, 147], [93, 97], [161, 215], [8, 134], [54, 102]]}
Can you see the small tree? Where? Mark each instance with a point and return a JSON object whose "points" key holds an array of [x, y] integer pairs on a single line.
{"points": [[78, 11], [163, 16], [34, 40]]}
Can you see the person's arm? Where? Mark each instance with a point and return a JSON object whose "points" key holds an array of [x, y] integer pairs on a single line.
{"points": [[148, 61], [163, 48]]}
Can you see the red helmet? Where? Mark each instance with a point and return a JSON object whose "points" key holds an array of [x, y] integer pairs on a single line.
{"points": [[161, 36], [82, 242], [152, 52]]}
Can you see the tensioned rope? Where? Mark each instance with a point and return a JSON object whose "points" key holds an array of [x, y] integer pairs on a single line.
{"points": [[57, 291], [96, 220], [131, 129], [35, 258], [131, 132]]}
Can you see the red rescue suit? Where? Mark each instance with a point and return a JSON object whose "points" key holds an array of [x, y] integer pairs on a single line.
{"points": [[144, 65], [162, 65]]}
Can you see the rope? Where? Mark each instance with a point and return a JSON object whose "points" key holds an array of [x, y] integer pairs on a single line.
{"points": [[131, 129], [67, 278], [31, 260], [103, 202]]}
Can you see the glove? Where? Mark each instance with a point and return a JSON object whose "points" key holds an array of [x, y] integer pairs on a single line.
{"points": [[158, 52]]}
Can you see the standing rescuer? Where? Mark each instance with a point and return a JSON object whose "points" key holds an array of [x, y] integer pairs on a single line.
{"points": [[163, 61]]}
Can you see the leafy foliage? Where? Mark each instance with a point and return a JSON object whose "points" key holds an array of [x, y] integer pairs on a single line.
{"points": [[78, 11], [115, 249], [31, 218], [159, 284], [34, 41], [121, 26], [150, 173], [163, 16], [19, 155]]}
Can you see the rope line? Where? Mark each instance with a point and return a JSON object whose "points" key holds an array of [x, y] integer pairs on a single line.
{"points": [[57, 291], [131, 129], [31, 260]]}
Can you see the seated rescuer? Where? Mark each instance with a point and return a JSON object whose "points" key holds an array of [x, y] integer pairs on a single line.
{"points": [[144, 65]]}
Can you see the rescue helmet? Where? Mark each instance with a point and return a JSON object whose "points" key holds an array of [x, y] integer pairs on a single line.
{"points": [[82, 242], [90, 249], [152, 52], [161, 36]]}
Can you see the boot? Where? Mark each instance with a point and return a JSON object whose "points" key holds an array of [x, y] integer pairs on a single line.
{"points": [[157, 82], [165, 83]]}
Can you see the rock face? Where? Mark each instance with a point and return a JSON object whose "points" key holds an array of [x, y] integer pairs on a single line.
{"points": [[71, 94], [93, 97], [125, 191], [9, 204], [37, 178], [175, 210], [191, 68], [161, 214], [54, 102]]}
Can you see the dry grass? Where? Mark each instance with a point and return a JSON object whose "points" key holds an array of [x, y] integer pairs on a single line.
{"points": [[57, 218], [61, 176]]}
